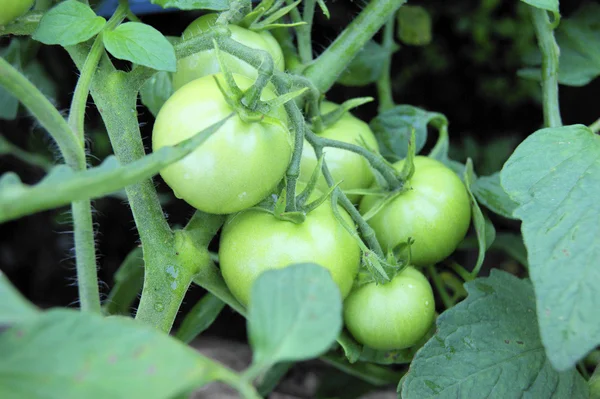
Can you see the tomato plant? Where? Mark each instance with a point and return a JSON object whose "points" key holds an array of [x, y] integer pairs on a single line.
{"points": [[434, 210], [235, 168], [352, 170], [300, 214], [12, 9], [395, 315], [206, 63], [254, 241]]}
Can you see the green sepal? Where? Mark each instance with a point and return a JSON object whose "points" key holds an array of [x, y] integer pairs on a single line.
{"points": [[324, 8], [381, 204], [316, 203], [284, 98], [408, 169], [275, 13], [231, 89], [332, 117]]}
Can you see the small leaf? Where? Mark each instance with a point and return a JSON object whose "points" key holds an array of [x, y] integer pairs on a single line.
{"points": [[156, 91], [295, 313], [489, 192], [215, 5], [478, 219], [489, 346], [137, 360], [554, 176], [324, 8], [200, 317], [550, 5], [414, 25], [68, 23], [394, 127], [141, 44], [14, 308], [366, 67], [513, 245]]}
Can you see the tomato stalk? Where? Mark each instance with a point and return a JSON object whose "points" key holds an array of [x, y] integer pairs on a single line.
{"points": [[384, 84], [440, 287], [544, 30], [72, 149], [325, 70]]}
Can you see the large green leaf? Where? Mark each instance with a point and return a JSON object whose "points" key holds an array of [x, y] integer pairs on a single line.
{"points": [[554, 175], [488, 346], [63, 185], [69, 354], [550, 5], [295, 313], [13, 306]]}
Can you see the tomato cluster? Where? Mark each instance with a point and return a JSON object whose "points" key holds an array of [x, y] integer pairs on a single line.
{"points": [[244, 163]]}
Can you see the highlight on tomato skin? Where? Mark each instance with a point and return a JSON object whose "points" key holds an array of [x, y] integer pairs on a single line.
{"points": [[434, 211], [238, 165], [395, 315]]}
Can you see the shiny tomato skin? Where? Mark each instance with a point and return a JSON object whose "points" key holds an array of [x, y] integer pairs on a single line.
{"points": [[253, 242], [350, 168], [395, 315], [435, 212], [238, 165], [206, 63], [13, 9]]}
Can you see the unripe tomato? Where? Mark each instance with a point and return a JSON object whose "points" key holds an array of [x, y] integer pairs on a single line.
{"points": [[253, 242], [206, 63], [395, 315], [352, 169], [13, 9], [238, 165], [435, 211]]}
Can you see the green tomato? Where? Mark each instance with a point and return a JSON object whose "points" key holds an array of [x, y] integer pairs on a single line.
{"points": [[206, 63], [13, 9], [435, 212], [395, 315], [350, 168], [253, 242], [238, 165]]}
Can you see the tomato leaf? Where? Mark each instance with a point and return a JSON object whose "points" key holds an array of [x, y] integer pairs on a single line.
{"points": [[216, 5], [14, 307], [100, 357], [366, 67], [129, 280], [579, 40], [414, 26], [295, 313], [156, 91], [482, 228], [550, 5], [394, 127], [62, 185], [512, 245], [489, 192], [554, 175], [68, 23], [141, 44], [489, 346], [200, 317]]}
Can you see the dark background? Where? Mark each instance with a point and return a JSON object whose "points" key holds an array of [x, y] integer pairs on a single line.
{"points": [[468, 73]]}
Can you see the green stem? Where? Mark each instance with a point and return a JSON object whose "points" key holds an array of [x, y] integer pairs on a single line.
{"points": [[290, 54], [82, 89], [9, 148], [461, 271], [388, 172], [595, 127], [202, 227], [304, 32], [440, 287], [303, 39], [544, 30], [384, 84], [325, 70], [72, 150], [369, 372]]}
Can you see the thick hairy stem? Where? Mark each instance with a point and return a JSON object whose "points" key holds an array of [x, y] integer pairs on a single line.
{"points": [[544, 30], [325, 70]]}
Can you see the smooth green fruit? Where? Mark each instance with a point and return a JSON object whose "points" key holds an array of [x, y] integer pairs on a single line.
{"points": [[238, 165], [13, 9], [350, 168], [435, 212], [206, 63], [395, 315]]}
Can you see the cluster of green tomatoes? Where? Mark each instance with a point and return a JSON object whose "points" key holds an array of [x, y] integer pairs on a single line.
{"points": [[244, 162]]}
